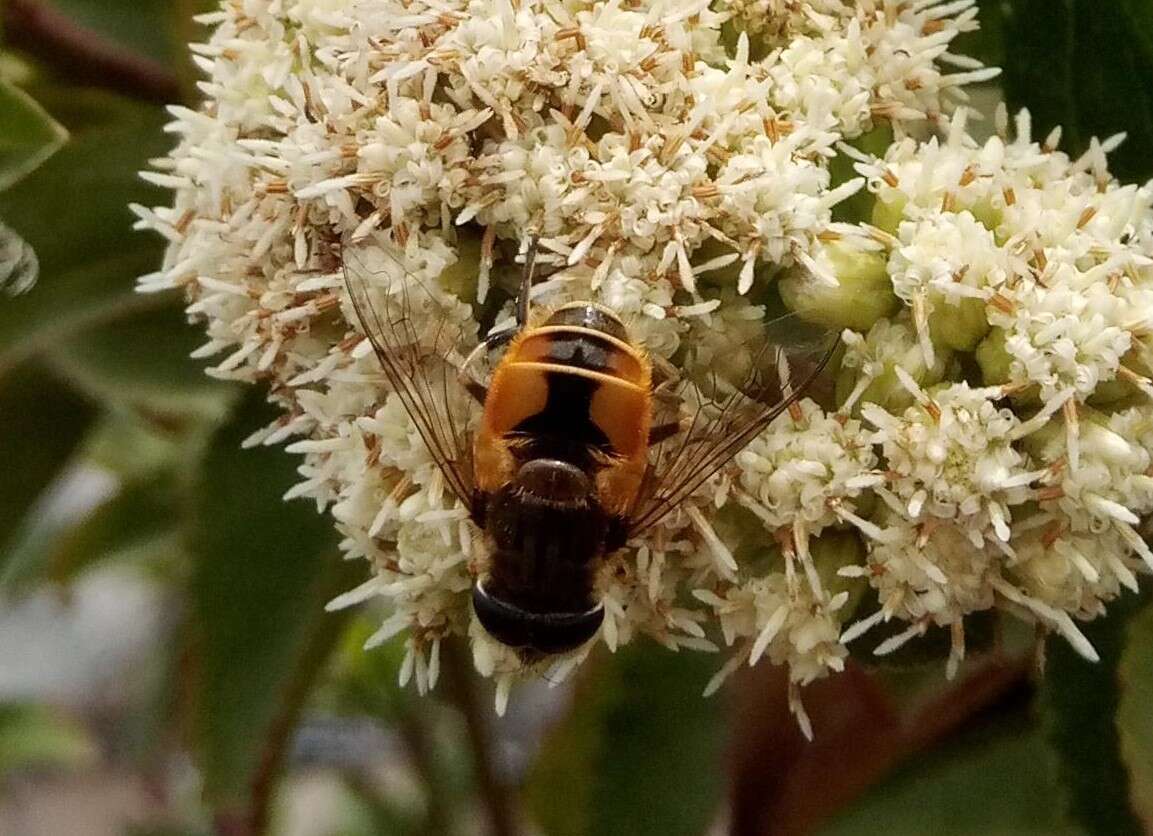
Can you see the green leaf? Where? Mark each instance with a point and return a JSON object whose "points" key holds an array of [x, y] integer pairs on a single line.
{"points": [[74, 212], [33, 736], [1134, 717], [987, 44], [1084, 65], [42, 425], [991, 783], [264, 570], [1079, 702], [1139, 14], [135, 515], [135, 448], [639, 752], [141, 362], [28, 135]]}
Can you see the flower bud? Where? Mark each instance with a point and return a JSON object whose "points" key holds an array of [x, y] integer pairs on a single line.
{"points": [[868, 370], [460, 277], [996, 365], [862, 295], [1116, 392], [832, 551], [987, 214], [842, 169], [995, 362], [887, 215], [958, 324]]}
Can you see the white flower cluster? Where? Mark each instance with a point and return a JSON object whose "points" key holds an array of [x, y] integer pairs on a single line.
{"points": [[674, 160], [1031, 272]]}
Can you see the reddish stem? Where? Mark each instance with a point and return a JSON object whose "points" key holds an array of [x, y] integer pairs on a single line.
{"points": [[83, 56]]}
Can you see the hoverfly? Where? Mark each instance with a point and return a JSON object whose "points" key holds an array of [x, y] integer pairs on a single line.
{"points": [[571, 455]]}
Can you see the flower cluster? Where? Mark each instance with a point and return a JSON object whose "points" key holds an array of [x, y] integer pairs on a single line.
{"points": [[676, 162]]}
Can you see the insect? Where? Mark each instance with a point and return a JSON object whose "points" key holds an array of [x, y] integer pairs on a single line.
{"points": [[565, 452]]}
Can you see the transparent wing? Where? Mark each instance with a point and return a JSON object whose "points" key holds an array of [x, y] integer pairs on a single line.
{"points": [[418, 332], [726, 416]]}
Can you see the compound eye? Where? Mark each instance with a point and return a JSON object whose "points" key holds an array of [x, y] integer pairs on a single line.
{"points": [[543, 633]]}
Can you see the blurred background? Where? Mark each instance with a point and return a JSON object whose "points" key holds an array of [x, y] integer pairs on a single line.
{"points": [[166, 663]]}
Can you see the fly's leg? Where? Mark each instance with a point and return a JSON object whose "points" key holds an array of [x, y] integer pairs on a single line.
{"points": [[504, 336], [663, 432], [526, 279]]}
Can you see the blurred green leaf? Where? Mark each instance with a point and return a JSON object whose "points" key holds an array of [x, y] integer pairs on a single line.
{"points": [[28, 135], [135, 449], [1079, 705], [366, 813], [1135, 712], [141, 362], [571, 754], [1086, 66], [1139, 14], [987, 44], [365, 681], [992, 783], [34, 736], [42, 424], [264, 570], [134, 515], [73, 211], [639, 752]]}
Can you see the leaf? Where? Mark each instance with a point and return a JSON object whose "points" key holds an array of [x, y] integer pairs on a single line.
{"points": [[1082, 64], [1139, 14], [639, 752], [1134, 718], [987, 44], [141, 362], [994, 782], [33, 736], [19, 266], [28, 135], [263, 572], [42, 425], [571, 755], [1079, 702], [73, 212], [136, 514]]}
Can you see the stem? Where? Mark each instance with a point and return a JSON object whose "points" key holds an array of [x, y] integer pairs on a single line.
{"points": [[84, 56], [463, 693]]}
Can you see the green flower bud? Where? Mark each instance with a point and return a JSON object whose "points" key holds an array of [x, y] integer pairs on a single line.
{"points": [[754, 548], [994, 360], [460, 277], [996, 366], [727, 276], [842, 169], [888, 216], [987, 214], [868, 371], [1116, 393], [960, 325], [832, 551], [1047, 443], [862, 296]]}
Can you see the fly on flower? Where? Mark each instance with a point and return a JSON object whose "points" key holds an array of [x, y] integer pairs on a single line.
{"points": [[572, 445]]}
